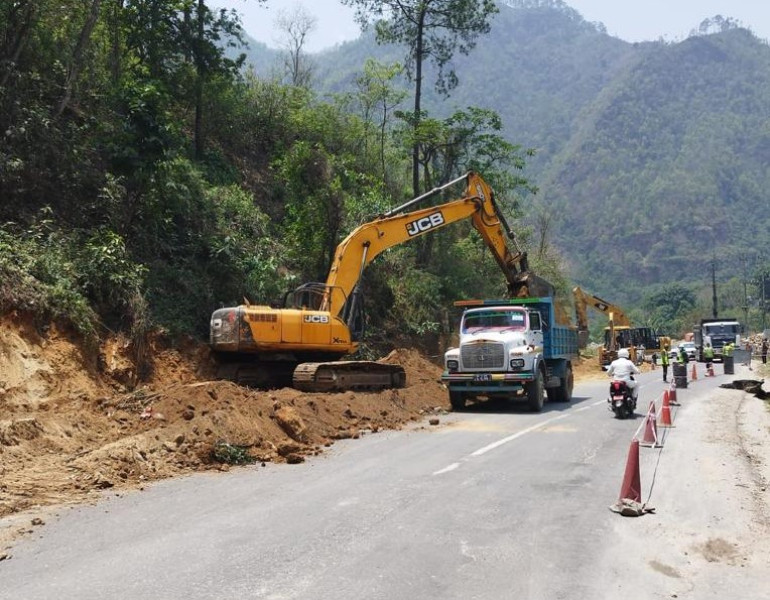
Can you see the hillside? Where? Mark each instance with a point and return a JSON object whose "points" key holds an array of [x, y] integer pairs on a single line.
{"points": [[672, 162], [149, 177], [650, 157]]}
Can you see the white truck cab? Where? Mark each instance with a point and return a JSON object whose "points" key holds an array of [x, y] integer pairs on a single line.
{"points": [[511, 348]]}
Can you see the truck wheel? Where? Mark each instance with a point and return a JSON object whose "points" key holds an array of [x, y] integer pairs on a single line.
{"points": [[536, 392], [564, 391], [457, 400]]}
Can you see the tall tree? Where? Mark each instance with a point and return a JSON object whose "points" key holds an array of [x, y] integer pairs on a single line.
{"points": [[76, 60], [296, 27], [377, 97], [212, 30], [431, 30], [17, 20], [168, 38]]}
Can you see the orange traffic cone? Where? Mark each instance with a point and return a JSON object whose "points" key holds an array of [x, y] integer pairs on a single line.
{"points": [[671, 395], [694, 375], [665, 413], [710, 370], [632, 483], [650, 439]]}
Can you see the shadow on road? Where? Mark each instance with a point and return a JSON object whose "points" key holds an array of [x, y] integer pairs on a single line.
{"points": [[513, 407]]}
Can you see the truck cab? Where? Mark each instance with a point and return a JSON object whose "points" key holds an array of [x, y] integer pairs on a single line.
{"points": [[511, 349], [716, 332]]}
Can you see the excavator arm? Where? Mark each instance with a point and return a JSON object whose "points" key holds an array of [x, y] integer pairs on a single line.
{"points": [[615, 315], [366, 242]]}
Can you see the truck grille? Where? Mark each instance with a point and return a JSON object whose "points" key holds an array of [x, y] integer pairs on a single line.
{"points": [[486, 355]]}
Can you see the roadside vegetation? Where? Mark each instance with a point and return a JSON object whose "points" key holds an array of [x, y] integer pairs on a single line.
{"points": [[148, 178]]}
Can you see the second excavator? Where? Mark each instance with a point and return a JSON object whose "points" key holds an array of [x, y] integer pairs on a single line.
{"points": [[301, 342], [619, 332]]}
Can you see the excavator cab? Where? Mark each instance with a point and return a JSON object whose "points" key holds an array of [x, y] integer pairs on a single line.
{"points": [[319, 296], [307, 296]]}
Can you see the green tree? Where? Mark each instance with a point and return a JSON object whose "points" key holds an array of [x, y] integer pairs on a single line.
{"points": [[377, 98], [432, 30], [670, 308]]}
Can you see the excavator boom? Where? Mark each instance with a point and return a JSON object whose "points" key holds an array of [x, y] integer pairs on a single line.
{"points": [[367, 241], [619, 331]]}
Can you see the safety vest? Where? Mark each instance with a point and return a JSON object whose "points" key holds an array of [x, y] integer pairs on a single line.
{"points": [[664, 357], [727, 350], [708, 352]]}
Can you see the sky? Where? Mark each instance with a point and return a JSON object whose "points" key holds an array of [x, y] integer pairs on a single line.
{"points": [[630, 20]]}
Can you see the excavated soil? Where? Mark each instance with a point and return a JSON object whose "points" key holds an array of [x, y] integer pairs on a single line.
{"points": [[73, 423]]}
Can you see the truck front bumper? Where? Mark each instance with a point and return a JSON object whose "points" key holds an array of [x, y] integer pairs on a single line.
{"points": [[487, 382]]}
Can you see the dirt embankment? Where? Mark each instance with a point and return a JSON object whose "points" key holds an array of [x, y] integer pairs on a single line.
{"points": [[71, 427]]}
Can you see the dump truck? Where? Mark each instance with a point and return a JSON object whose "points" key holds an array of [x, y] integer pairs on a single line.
{"points": [[515, 349], [716, 332]]}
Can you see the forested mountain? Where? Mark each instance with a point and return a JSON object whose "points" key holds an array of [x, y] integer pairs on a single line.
{"points": [[651, 159]]}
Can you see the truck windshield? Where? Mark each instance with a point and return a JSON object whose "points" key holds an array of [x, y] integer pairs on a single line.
{"points": [[498, 319], [724, 328]]}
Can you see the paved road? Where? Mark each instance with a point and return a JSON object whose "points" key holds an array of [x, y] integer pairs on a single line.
{"points": [[494, 503]]}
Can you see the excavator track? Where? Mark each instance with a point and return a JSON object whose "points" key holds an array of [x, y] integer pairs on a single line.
{"points": [[339, 376], [252, 373]]}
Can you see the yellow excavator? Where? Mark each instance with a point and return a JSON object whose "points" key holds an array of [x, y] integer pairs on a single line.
{"points": [[619, 332], [615, 332], [301, 342]]}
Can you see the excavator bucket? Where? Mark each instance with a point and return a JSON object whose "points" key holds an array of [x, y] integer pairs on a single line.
{"points": [[529, 285]]}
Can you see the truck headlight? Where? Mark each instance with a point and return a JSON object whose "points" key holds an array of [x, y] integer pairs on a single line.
{"points": [[452, 365], [517, 363]]}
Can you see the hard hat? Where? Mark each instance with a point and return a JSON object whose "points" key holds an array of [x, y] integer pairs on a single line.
{"points": [[622, 353]]}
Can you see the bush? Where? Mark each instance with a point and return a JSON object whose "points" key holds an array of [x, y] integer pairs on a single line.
{"points": [[231, 454]]}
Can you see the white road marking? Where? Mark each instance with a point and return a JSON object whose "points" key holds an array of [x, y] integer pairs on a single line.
{"points": [[515, 436], [510, 438], [451, 467]]}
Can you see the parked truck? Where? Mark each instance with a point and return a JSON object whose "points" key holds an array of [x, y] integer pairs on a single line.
{"points": [[514, 349], [716, 332]]}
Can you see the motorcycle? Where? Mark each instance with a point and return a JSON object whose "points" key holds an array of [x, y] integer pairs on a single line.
{"points": [[621, 399]]}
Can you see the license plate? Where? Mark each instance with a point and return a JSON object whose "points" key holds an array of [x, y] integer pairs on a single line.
{"points": [[482, 377]]}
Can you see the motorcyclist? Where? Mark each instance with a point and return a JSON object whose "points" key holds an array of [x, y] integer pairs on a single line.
{"points": [[622, 369]]}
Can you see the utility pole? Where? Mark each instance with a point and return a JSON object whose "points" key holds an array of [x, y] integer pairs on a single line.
{"points": [[744, 262], [714, 286]]}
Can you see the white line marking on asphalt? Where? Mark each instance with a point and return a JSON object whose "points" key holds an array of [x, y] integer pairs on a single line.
{"points": [[515, 436], [451, 467], [510, 438]]}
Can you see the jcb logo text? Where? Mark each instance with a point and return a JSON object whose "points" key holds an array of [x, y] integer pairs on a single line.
{"points": [[316, 319], [422, 225]]}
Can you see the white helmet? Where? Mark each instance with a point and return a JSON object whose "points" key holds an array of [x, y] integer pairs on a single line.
{"points": [[622, 353]]}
